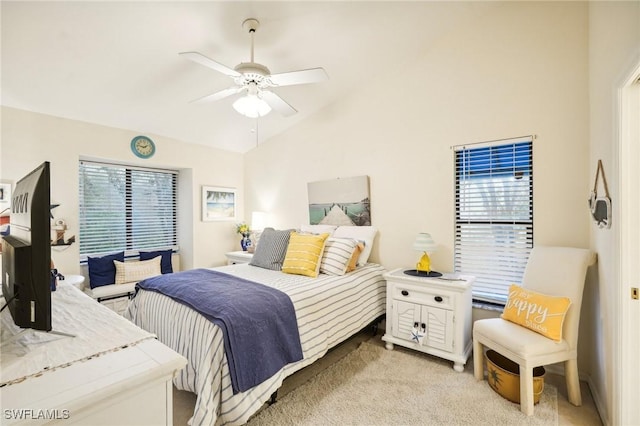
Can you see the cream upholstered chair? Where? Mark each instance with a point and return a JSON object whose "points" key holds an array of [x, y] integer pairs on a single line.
{"points": [[555, 271]]}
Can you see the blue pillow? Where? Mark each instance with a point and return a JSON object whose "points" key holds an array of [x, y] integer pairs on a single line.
{"points": [[166, 267], [102, 270]]}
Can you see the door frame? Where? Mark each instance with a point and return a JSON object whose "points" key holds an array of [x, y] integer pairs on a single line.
{"points": [[626, 342]]}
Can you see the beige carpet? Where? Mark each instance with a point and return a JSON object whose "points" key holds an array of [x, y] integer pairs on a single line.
{"points": [[374, 386]]}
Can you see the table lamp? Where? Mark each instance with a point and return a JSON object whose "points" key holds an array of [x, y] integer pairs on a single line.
{"points": [[258, 223], [425, 244]]}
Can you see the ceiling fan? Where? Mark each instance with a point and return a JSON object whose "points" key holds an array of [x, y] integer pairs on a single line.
{"points": [[254, 81]]}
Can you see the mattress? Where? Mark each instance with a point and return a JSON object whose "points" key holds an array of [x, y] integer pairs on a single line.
{"points": [[329, 309]]}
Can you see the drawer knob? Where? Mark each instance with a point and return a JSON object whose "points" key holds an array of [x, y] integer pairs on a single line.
{"points": [[438, 299], [404, 292]]}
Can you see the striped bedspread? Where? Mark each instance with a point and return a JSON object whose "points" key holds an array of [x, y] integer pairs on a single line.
{"points": [[329, 309], [258, 322]]}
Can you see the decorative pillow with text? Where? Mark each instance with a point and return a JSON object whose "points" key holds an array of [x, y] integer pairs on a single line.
{"points": [[538, 312]]}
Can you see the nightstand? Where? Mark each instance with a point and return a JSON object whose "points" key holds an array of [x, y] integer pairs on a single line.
{"points": [[234, 257], [430, 315]]}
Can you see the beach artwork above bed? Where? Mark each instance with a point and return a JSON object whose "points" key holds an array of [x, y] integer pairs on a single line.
{"points": [[218, 203], [340, 202]]}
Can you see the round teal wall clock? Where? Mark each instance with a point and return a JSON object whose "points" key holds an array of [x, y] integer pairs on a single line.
{"points": [[143, 147]]}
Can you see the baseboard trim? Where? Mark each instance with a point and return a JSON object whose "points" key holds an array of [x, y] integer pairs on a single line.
{"points": [[595, 395], [601, 407]]}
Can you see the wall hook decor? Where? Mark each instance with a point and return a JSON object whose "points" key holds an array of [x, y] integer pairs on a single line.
{"points": [[600, 207]]}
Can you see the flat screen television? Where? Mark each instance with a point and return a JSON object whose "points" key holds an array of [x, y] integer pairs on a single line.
{"points": [[26, 252]]}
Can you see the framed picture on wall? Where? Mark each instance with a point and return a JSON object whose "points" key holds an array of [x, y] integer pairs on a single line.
{"points": [[218, 203], [342, 201]]}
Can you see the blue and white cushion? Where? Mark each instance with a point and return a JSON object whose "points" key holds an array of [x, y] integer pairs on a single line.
{"points": [[271, 250]]}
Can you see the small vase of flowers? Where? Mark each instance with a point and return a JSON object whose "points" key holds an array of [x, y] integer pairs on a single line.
{"points": [[243, 229]]}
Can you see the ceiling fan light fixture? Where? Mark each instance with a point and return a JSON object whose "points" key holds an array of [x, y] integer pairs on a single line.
{"points": [[251, 106], [255, 80]]}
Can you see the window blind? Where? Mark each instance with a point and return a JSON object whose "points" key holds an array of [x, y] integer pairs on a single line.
{"points": [[126, 208], [494, 214]]}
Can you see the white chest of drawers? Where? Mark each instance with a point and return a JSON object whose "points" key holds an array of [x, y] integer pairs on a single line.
{"points": [[430, 315]]}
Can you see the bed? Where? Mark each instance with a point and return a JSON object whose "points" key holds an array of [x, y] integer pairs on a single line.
{"points": [[328, 310]]}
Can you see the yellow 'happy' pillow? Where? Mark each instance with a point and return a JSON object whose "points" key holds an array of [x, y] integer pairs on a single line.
{"points": [[304, 254], [537, 312]]}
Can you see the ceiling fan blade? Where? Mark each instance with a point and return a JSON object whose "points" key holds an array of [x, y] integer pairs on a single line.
{"points": [[210, 63], [277, 103], [313, 75], [219, 95]]}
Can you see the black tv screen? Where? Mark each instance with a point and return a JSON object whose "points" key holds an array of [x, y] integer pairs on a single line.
{"points": [[26, 252]]}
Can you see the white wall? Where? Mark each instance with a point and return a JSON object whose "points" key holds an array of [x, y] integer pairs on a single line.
{"points": [[519, 70], [28, 139], [614, 49]]}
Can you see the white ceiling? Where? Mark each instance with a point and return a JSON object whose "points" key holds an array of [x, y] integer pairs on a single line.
{"points": [[117, 63]]}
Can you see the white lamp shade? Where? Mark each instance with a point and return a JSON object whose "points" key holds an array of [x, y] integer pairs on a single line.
{"points": [[425, 243], [258, 221], [251, 106]]}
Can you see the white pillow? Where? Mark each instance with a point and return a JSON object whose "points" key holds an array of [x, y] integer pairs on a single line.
{"points": [[337, 254], [135, 271], [366, 234], [318, 229]]}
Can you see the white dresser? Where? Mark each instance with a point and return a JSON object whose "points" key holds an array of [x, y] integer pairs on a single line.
{"points": [[430, 315], [110, 372], [132, 386]]}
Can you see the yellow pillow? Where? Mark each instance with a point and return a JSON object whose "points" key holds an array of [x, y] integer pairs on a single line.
{"points": [[304, 254], [353, 262], [538, 312]]}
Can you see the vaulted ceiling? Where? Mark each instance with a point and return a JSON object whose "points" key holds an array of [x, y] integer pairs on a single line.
{"points": [[117, 63]]}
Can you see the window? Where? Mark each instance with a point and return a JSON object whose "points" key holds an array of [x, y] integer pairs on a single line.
{"points": [[494, 214], [126, 208]]}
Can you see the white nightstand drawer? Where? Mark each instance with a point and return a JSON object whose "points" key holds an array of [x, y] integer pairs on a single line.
{"points": [[423, 296]]}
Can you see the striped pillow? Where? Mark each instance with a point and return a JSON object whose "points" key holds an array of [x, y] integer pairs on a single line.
{"points": [[337, 254], [270, 252], [304, 254]]}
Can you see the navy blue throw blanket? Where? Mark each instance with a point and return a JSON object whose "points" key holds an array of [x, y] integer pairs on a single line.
{"points": [[258, 322]]}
